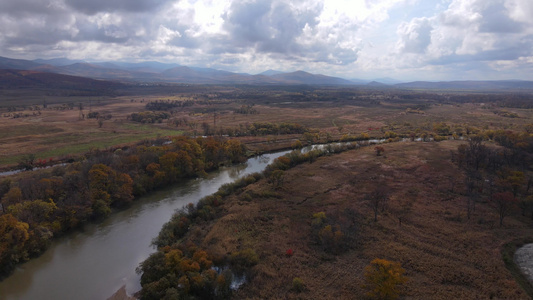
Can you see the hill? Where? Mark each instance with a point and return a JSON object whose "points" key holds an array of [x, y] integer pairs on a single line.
{"points": [[422, 226], [154, 72], [470, 85], [17, 64], [301, 77], [270, 72], [18, 79], [168, 73]]}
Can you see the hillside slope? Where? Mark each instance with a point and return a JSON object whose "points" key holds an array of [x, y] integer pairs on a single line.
{"points": [[423, 227]]}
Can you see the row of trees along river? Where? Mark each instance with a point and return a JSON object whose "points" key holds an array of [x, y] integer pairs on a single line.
{"points": [[41, 206]]}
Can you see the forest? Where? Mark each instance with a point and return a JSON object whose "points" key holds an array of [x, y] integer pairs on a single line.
{"points": [[40, 206]]}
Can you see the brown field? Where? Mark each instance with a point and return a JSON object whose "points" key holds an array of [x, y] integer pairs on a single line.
{"points": [[61, 133], [446, 256], [58, 133]]}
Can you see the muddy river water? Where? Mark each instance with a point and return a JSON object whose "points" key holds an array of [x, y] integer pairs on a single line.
{"points": [[95, 262]]}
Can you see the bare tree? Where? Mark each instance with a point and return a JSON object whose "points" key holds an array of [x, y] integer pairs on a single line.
{"points": [[503, 203], [377, 199]]}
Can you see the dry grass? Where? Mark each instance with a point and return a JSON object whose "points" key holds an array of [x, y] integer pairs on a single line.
{"points": [[446, 256], [59, 133]]}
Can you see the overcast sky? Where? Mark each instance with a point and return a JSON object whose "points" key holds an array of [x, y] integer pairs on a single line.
{"points": [[402, 39]]}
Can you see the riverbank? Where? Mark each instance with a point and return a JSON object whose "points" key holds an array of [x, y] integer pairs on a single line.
{"points": [[518, 258]]}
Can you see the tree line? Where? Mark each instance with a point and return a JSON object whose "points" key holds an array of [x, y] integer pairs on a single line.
{"points": [[40, 205], [500, 176]]}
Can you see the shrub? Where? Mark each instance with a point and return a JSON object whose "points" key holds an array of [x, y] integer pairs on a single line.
{"points": [[383, 278], [298, 285], [296, 145], [318, 219], [379, 150], [244, 259]]}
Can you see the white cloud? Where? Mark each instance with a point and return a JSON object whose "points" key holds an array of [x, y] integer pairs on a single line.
{"points": [[415, 36], [338, 37]]}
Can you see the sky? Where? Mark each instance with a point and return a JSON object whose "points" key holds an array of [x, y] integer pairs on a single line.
{"points": [[367, 39]]}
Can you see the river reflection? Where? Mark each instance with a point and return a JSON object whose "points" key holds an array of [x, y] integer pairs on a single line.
{"points": [[95, 262]]}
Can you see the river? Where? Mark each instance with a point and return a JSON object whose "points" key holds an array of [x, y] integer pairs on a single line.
{"points": [[95, 262]]}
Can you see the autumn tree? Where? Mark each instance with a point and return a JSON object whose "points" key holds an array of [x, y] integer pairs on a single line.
{"points": [[276, 178], [192, 274], [108, 187], [235, 150], [5, 186], [27, 162], [99, 182], [13, 196], [13, 237], [503, 203], [33, 212], [379, 150], [383, 278], [514, 180]]}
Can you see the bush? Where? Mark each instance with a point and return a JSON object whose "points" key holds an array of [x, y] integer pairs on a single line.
{"points": [[298, 285], [383, 278], [244, 259]]}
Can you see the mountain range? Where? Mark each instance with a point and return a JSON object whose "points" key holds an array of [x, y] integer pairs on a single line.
{"points": [[167, 73], [156, 72]]}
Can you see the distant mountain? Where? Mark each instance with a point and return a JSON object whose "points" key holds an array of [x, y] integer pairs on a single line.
{"points": [[58, 62], [107, 71], [197, 75], [10, 79], [301, 77], [146, 66], [388, 80], [469, 85], [160, 72], [151, 71], [212, 76], [17, 64], [359, 81], [270, 72], [376, 84]]}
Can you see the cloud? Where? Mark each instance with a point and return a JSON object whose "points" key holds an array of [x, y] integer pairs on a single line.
{"points": [[415, 36], [520, 11], [496, 18], [466, 34], [344, 37], [92, 7], [267, 26]]}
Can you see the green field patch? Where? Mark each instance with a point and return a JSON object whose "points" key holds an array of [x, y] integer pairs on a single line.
{"points": [[30, 129], [79, 143], [144, 127]]}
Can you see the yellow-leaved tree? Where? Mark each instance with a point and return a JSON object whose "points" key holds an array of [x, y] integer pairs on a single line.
{"points": [[383, 278]]}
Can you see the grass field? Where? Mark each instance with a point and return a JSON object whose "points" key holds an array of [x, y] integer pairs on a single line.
{"points": [[446, 256], [55, 133], [59, 133]]}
